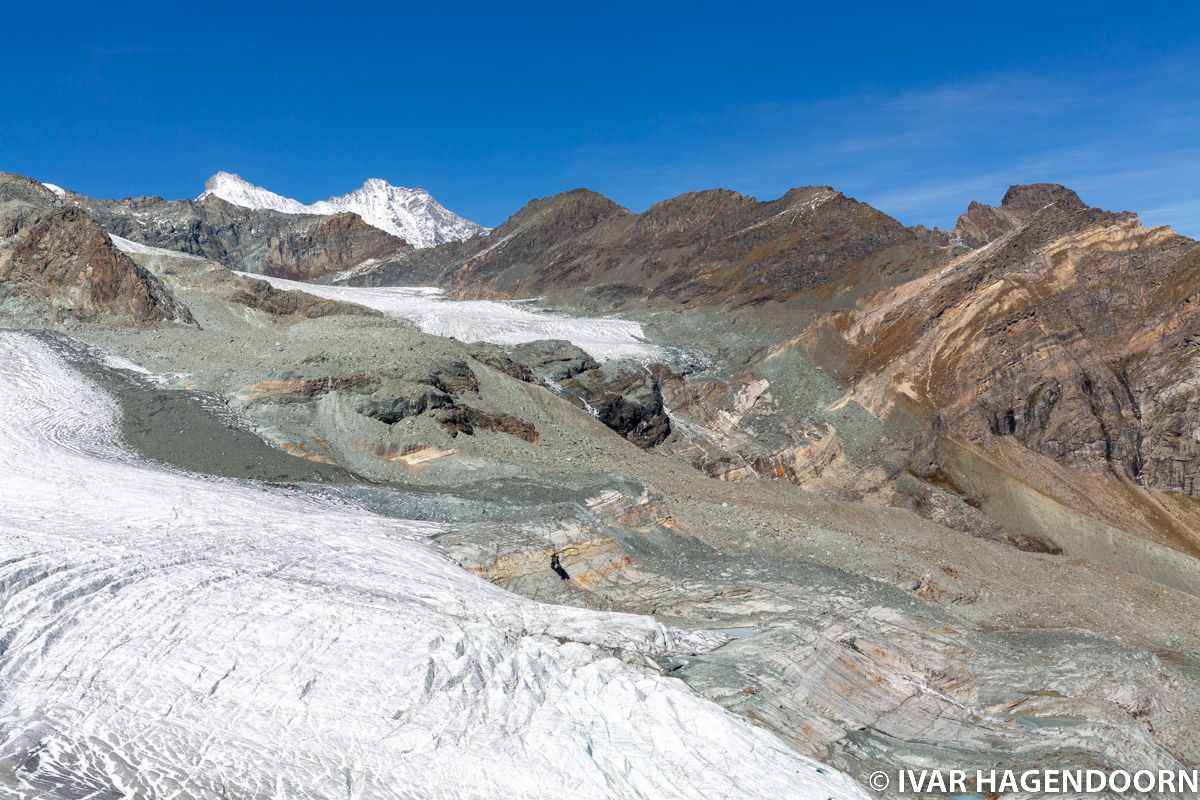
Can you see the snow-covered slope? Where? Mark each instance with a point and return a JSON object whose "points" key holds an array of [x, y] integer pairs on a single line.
{"points": [[411, 214], [490, 321], [169, 636]]}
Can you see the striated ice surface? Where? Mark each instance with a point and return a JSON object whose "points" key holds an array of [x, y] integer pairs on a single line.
{"points": [[489, 321], [168, 636], [411, 214]]}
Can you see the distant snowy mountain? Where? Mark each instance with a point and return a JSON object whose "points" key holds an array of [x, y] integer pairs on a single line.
{"points": [[411, 214]]}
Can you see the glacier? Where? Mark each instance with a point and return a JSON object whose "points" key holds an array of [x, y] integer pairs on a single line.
{"points": [[411, 214], [500, 323], [168, 635]]}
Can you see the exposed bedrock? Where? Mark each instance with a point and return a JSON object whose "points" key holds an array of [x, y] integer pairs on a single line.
{"points": [[56, 261], [1070, 333], [293, 246], [625, 396]]}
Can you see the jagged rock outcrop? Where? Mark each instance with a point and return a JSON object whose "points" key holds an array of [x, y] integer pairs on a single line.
{"points": [[262, 296], [294, 246], [553, 359], [56, 260], [983, 223], [625, 396], [442, 394]]}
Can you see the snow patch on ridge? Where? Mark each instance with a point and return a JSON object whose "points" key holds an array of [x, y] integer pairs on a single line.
{"points": [[411, 214], [127, 246], [167, 635]]}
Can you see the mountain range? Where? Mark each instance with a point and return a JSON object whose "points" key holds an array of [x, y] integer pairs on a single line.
{"points": [[409, 214], [843, 279], [935, 490]]}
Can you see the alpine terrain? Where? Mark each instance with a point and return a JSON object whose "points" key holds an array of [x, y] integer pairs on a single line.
{"points": [[729, 497]]}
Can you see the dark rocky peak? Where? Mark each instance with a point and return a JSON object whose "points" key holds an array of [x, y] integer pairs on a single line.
{"points": [[1027, 199], [806, 195], [574, 210], [718, 213], [692, 203], [693, 214], [825, 208], [983, 224]]}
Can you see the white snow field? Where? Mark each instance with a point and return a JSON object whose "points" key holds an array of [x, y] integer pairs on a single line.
{"points": [[163, 635], [489, 321]]}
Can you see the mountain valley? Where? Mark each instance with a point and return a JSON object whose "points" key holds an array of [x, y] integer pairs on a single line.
{"points": [[834, 494]]}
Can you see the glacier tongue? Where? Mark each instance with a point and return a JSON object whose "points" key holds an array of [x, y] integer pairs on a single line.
{"points": [[411, 214], [170, 636], [489, 320]]}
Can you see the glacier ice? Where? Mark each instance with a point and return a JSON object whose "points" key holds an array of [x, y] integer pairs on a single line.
{"points": [[170, 636], [490, 321]]}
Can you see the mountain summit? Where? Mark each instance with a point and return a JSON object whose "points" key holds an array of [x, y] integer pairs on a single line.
{"points": [[411, 214]]}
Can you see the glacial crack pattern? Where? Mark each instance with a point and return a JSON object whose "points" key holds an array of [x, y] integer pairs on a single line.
{"points": [[164, 635]]}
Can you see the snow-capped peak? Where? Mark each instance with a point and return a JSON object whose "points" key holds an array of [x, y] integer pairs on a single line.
{"points": [[411, 214], [240, 192]]}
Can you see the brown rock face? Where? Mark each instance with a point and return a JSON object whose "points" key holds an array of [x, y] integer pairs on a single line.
{"points": [[340, 242], [1072, 334], [57, 258], [983, 223], [703, 248]]}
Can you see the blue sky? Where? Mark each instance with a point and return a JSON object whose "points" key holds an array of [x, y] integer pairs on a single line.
{"points": [[914, 108]]}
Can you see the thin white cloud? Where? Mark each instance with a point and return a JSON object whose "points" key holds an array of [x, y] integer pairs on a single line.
{"points": [[1123, 140]]}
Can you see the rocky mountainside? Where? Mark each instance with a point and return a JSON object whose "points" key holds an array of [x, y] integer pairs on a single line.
{"points": [[207, 507], [284, 244], [409, 214], [1039, 323], [1040, 342], [1065, 340], [56, 259], [699, 249]]}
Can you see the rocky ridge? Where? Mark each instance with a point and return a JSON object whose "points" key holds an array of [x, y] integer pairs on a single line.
{"points": [[697, 250], [1065, 334], [56, 259], [294, 246]]}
